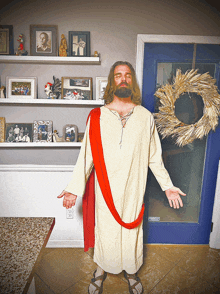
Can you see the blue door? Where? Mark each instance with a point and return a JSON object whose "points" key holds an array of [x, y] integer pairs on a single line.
{"points": [[193, 168]]}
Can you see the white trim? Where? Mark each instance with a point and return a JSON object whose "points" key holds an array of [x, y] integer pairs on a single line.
{"points": [[65, 244], [38, 101], [35, 168], [214, 241], [50, 59], [41, 145], [145, 38]]}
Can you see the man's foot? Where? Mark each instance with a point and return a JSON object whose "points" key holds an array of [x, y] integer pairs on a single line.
{"points": [[96, 285], [134, 283]]}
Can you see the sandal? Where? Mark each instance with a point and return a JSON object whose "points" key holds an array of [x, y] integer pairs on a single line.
{"points": [[93, 280], [136, 278]]}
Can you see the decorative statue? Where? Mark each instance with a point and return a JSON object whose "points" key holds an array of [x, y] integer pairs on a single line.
{"points": [[21, 50], [53, 91], [63, 46], [96, 54], [2, 94], [56, 137]]}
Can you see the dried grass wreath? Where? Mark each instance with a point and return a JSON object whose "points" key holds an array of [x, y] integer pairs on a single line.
{"points": [[167, 122]]}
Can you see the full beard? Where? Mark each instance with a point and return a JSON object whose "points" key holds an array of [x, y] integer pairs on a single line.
{"points": [[123, 92]]}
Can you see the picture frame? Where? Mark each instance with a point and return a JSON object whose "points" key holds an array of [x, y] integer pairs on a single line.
{"points": [[75, 88], [18, 132], [79, 43], [101, 83], [44, 40], [70, 133], [43, 131], [80, 137], [6, 40], [21, 87], [2, 129]]}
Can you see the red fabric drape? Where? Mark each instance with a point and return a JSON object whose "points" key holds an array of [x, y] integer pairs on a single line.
{"points": [[102, 176]]}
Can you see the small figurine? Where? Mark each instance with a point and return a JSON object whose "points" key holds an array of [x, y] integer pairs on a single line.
{"points": [[2, 94], [53, 91], [21, 50], [96, 54], [56, 137], [63, 46]]}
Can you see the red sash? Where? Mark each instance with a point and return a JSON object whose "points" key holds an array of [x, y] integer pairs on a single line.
{"points": [[102, 176]]}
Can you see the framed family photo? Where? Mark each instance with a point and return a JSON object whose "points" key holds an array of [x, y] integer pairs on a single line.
{"points": [[44, 40], [24, 87], [79, 43], [18, 132], [101, 83], [6, 40], [74, 88], [70, 133], [43, 131]]}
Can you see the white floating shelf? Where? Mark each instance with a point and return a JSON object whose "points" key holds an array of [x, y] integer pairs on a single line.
{"points": [[22, 101], [41, 145], [50, 59]]}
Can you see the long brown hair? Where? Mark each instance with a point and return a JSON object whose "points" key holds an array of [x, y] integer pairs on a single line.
{"points": [[110, 88]]}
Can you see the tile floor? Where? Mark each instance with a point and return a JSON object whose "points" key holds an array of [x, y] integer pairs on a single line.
{"points": [[166, 269]]}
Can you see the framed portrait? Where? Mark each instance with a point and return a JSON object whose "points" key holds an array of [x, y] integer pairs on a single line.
{"points": [[2, 129], [76, 88], [44, 40], [18, 132], [70, 133], [80, 137], [43, 131], [101, 83], [79, 43], [24, 87], [6, 40]]}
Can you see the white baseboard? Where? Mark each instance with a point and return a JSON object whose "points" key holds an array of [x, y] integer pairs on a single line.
{"points": [[65, 244]]}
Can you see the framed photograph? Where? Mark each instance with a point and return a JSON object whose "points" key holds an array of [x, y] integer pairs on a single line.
{"points": [[6, 40], [80, 137], [79, 43], [43, 131], [70, 133], [76, 88], [18, 132], [43, 40], [101, 83], [2, 129], [25, 87]]}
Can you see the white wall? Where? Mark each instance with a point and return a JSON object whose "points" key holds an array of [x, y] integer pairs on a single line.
{"points": [[31, 191]]}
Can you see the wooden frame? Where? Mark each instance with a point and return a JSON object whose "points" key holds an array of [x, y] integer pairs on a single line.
{"points": [[43, 40], [18, 132], [43, 131], [70, 133], [101, 83], [2, 129], [21, 87], [7, 42], [74, 88], [79, 43]]}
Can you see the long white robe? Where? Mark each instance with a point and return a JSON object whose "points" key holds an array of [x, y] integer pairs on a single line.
{"points": [[117, 248]]}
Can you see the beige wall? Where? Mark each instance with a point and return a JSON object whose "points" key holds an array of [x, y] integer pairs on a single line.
{"points": [[114, 26]]}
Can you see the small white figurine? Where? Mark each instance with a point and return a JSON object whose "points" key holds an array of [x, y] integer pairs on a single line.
{"points": [[56, 137], [2, 95]]}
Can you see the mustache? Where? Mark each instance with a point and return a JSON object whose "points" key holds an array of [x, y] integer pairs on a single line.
{"points": [[123, 83]]}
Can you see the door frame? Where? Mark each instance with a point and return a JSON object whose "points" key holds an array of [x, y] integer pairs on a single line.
{"points": [[186, 39]]}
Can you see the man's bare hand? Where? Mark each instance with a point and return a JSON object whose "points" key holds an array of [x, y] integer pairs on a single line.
{"points": [[69, 199], [173, 196]]}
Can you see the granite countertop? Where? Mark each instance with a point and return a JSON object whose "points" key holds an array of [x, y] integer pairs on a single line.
{"points": [[22, 239]]}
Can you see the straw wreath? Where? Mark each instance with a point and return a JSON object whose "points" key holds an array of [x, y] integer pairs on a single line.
{"points": [[167, 122]]}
